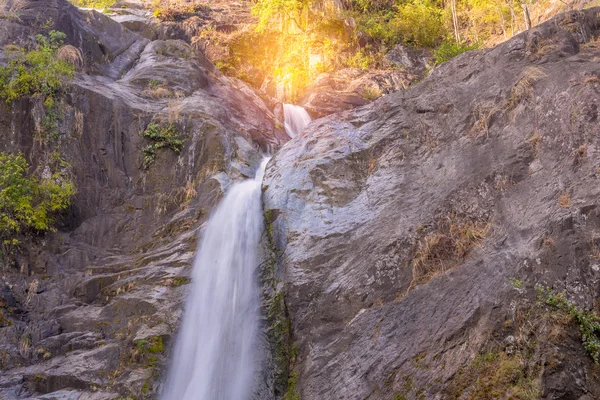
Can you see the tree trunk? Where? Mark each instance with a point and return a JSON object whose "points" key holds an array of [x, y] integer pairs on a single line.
{"points": [[526, 15], [455, 20]]}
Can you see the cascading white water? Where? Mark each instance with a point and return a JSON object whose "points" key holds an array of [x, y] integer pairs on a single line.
{"points": [[296, 119], [214, 355]]}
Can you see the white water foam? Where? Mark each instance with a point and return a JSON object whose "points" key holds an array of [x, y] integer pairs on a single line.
{"points": [[296, 119], [214, 356]]}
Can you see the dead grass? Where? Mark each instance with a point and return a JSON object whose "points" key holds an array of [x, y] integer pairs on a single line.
{"points": [[483, 114], [190, 191], [446, 248], [13, 13], [79, 123], [158, 93], [564, 200], [594, 249], [548, 242], [535, 142], [523, 89], [580, 154], [11, 47], [591, 80], [70, 54], [174, 112], [502, 182]]}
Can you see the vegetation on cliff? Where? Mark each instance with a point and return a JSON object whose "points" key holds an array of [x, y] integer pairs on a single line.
{"points": [[29, 205], [41, 71], [294, 41]]}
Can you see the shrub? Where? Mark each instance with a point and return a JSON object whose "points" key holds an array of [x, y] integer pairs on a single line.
{"points": [[37, 72], [420, 23], [589, 321], [178, 13], [161, 136], [450, 49], [28, 204], [372, 93], [96, 4]]}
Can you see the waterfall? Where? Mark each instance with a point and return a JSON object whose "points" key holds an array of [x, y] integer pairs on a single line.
{"points": [[296, 119], [214, 356]]}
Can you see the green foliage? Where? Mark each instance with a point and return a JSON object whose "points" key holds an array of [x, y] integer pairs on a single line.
{"points": [[372, 93], [517, 283], [420, 23], [293, 393], [36, 72], [414, 22], [152, 345], [162, 136], [450, 49], [28, 204], [95, 4], [293, 11], [589, 321]]}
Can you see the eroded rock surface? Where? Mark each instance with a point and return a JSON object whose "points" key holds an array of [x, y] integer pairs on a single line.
{"points": [[407, 236]]}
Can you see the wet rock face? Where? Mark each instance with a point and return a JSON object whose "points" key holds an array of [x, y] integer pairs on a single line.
{"points": [[91, 311], [408, 235]]}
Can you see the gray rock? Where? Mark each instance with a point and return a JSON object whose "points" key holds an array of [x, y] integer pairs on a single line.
{"points": [[414, 60], [505, 137]]}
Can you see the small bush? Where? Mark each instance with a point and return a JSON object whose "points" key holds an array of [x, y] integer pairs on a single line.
{"points": [[450, 49], [372, 93], [589, 321], [28, 204], [95, 4], [37, 72], [179, 13], [161, 136]]}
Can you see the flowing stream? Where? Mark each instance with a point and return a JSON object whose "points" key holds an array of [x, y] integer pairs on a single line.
{"points": [[214, 355], [296, 119]]}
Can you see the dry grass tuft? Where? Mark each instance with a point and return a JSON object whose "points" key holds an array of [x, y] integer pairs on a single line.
{"points": [[174, 111], [535, 141], [524, 87], [580, 154], [12, 13], [11, 48], [502, 182], [158, 93], [564, 200], [483, 114], [548, 242], [591, 80], [78, 127], [190, 191], [446, 248], [70, 54]]}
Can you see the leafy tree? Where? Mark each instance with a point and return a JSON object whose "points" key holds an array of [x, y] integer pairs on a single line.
{"points": [[28, 204], [295, 11]]}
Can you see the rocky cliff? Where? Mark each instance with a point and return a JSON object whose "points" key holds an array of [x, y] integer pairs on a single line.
{"points": [[407, 237], [90, 311], [404, 239]]}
